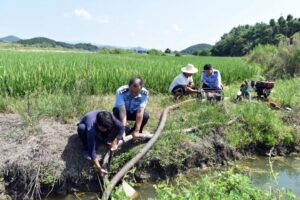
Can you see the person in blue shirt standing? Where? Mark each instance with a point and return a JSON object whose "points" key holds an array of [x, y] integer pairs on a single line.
{"points": [[210, 79], [131, 101], [99, 126]]}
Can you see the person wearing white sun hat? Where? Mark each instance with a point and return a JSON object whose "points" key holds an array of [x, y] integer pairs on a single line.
{"points": [[183, 83]]}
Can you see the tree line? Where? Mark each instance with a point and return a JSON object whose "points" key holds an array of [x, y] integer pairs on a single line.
{"points": [[242, 39]]}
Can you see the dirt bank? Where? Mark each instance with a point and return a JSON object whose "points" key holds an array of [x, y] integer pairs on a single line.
{"points": [[43, 158], [46, 158]]}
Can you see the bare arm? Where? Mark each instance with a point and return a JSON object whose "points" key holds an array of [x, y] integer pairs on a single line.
{"points": [[114, 145], [219, 81], [138, 122], [123, 118], [101, 171], [96, 162], [190, 89], [139, 118]]}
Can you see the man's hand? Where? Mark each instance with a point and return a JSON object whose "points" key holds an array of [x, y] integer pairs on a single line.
{"points": [[113, 145], [135, 134], [190, 89], [102, 172]]}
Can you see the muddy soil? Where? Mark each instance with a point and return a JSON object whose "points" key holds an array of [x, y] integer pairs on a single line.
{"points": [[42, 158]]}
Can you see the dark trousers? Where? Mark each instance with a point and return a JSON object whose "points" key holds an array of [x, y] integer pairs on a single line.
{"points": [[181, 89], [132, 117], [81, 130]]}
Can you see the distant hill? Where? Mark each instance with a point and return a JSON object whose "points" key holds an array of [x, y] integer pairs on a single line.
{"points": [[43, 42], [10, 38], [199, 47]]}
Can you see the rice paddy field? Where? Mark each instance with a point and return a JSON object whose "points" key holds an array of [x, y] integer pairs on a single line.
{"points": [[93, 73], [65, 85]]}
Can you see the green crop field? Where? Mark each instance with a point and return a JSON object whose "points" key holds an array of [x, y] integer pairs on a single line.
{"points": [[94, 73], [66, 85]]}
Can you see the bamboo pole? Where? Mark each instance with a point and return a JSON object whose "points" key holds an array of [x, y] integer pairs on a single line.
{"points": [[144, 150]]}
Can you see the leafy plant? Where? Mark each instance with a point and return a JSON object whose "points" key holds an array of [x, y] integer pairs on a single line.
{"points": [[222, 185]]}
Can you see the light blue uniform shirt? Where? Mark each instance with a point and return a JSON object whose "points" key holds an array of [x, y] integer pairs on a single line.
{"points": [[213, 80], [132, 104]]}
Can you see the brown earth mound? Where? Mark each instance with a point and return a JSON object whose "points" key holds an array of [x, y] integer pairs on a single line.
{"points": [[36, 160]]}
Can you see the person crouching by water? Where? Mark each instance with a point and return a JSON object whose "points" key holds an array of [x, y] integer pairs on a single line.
{"points": [[99, 125], [183, 83], [131, 101]]}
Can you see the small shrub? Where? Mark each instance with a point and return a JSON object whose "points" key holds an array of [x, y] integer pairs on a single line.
{"points": [[205, 52], [177, 54], [282, 61], [263, 55], [154, 52]]}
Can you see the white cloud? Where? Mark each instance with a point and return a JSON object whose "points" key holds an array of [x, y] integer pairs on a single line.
{"points": [[132, 34], [101, 20], [177, 29], [140, 22], [166, 31], [66, 15], [83, 14]]}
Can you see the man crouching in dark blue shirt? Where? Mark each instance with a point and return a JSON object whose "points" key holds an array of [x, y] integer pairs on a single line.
{"points": [[99, 125]]}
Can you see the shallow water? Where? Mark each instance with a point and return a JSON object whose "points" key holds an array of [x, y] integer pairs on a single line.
{"points": [[287, 171], [257, 168]]}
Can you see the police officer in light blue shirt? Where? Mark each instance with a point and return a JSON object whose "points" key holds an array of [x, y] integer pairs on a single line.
{"points": [[131, 101], [210, 79]]}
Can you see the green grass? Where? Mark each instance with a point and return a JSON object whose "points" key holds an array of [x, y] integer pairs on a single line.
{"points": [[287, 92], [94, 73], [170, 150], [222, 185], [252, 123], [258, 123]]}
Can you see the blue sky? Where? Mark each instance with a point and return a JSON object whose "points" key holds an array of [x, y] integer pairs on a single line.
{"points": [[176, 24]]}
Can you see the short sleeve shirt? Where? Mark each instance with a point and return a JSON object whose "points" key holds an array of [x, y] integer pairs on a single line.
{"points": [[132, 104], [180, 80], [213, 80]]}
